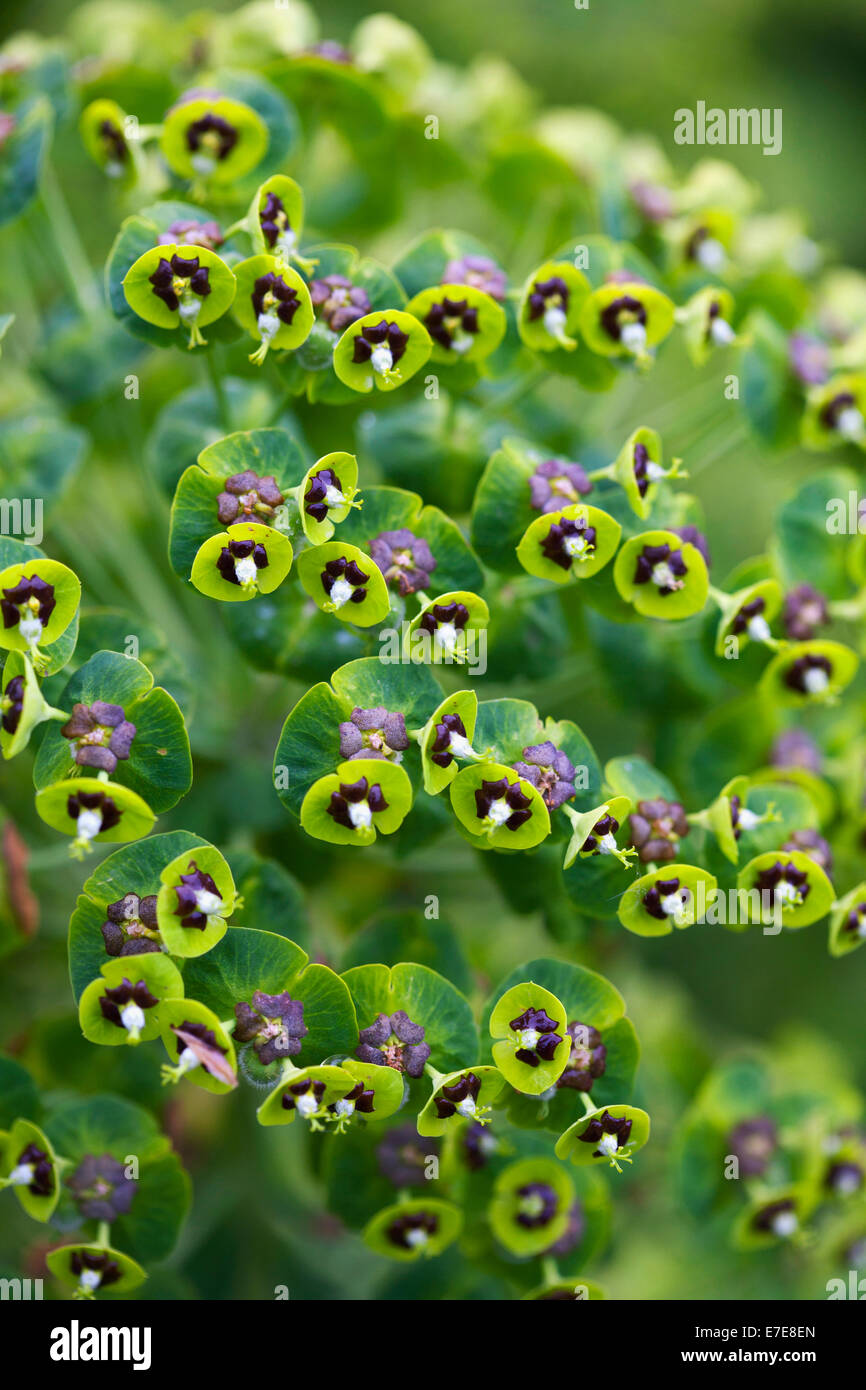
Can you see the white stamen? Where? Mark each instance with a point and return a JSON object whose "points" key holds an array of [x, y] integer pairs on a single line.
{"points": [[287, 241], [672, 905], [711, 254], [90, 1278], [189, 310], [245, 570], [462, 342], [341, 592], [22, 1175], [499, 812], [460, 747], [417, 1237], [31, 630], [132, 1018], [850, 422], [89, 824], [816, 680], [382, 359], [334, 497], [758, 629], [114, 169], [663, 576], [306, 1105], [654, 471], [633, 337], [786, 892], [344, 1108], [847, 1183], [208, 902], [575, 545], [607, 844], [268, 325], [785, 1223], [608, 1144], [721, 332], [554, 321], [466, 1108], [446, 636], [187, 1061], [360, 814], [747, 819], [529, 1037]]}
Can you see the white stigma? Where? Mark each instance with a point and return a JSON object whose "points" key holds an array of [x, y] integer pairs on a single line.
{"points": [[382, 359], [203, 165], [306, 1106], [575, 545], [786, 892], [187, 1061], [344, 1108], [446, 636], [816, 680], [89, 824], [721, 332], [132, 1018], [31, 630], [554, 321], [334, 497], [654, 471], [847, 1183], [850, 422], [114, 170], [22, 1176], [607, 844], [341, 592], [861, 924], [785, 1223], [633, 337], [499, 813], [529, 1037], [462, 342], [360, 814], [466, 1108], [663, 576], [608, 1144], [287, 241], [208, 902], [758, 629], [268, 325], [189, 310], [245, 570], [417, 1237], [90, 1279], [672, 905], [711, 254], [747, 819], [460, 746]]}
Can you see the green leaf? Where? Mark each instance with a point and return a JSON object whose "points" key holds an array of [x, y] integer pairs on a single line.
{"points": [[429, 1000]]}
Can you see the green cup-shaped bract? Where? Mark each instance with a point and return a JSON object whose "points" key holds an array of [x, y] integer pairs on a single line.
{"points": [[288, 237], [752, 1229], [586, 559], [123, 1273], [368, 821], [641, 494], [463, 704], [251, 577], [23, 704], [848, 922], [386, 1084], [706, 321], [780, 683], [522, 1075], [38, 633], [209, 916], [509, 1203], [446, 1218], [217, 1066], [446, 642], [265, 326], [493, 829], [162, 980], [699, 886], [13, 1154], [570, 1145], [313, 565], [647, 597], [582, 827], [140, 294], [816, 903], [548, 320], [835, 413], [102, 127], [492, 1084], [597, 309], [345, 467], [769, 591], [58, 807], [205, 165], [473, 305], [376, 370], [337, 1082]]}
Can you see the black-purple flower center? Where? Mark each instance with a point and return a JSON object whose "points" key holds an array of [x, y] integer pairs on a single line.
{"points": [[271, 295], [114, 1001], [34, 595], [536, 1033], [344, 575], [197, 898], [587, 1059], [12, 704], [239, 561], [273, 1023], [354, 804], [394, 1041], [568, 541], [131, 928], [380, 335], [661, 566], [449, 319], [623, 310], [212, 135], [173, 279], [538, 1205], [503, 804]]}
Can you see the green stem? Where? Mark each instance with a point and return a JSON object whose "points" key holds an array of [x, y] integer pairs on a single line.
{"points": [[103, 1235], [589, 1105], [68, 243], [218, 389]]}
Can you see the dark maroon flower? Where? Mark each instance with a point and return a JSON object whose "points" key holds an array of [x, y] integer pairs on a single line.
{"points": [[657, 827], [373, 733], [784, 882], [340, 301], [412, 1229], [41, 1182], [12, 704], [809, 358], [211, 135], [187, 232], [101, 733], [354, 804], [557, 483], [450, 731], [587, 1059], [810, 674], [608, 1132], [607, 825], [344, 574], [101, 1269], [539, 1204], [855, 922], [837, 407], [271, 295], [662, 566], [796, 748], [34, 594], [402, 1156], [814, 845], [478, 271], [804, 612], [246, 495], [664, 893], [503, 803], [324, 490], [568, 540], [537, 1035], [550, 771], [405, 559], [239, 561], [168, 278], [197, 898], [753, 1143], [131, 928], [273, 1023], [101, 1187], [396, 1042], [101, 806], [274, 220], [116, 150], [459, 1098], [452, 323], [380, 335], [776, 1218], [844, 1178], [622, 311], [113, 1003]]}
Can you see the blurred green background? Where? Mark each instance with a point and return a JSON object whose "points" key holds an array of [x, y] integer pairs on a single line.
{"points": [[691, 994]]}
